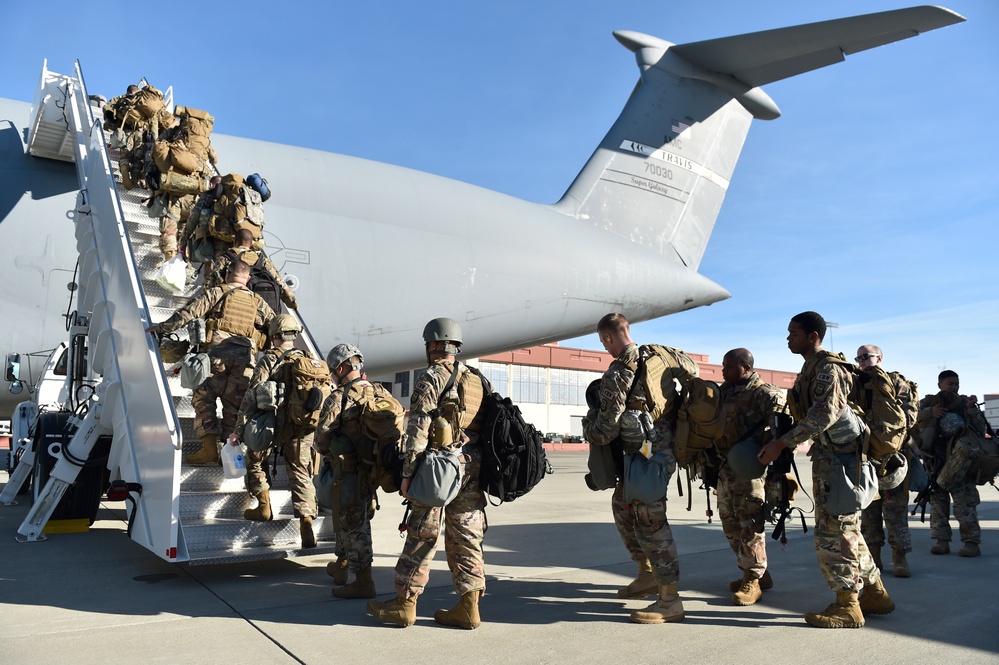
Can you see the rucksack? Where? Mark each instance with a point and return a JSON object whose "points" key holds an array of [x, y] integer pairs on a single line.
{"points": [[700, 420], [380, 425], [874, 392], [654, 367], [513, 456], [264, 285], [909, 400], [307, 385]]}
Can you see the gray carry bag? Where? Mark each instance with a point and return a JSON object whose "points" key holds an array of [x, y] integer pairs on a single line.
{"points": [[647, 479], [195, 368], [258, 433], [846, 493], [437, 479]]}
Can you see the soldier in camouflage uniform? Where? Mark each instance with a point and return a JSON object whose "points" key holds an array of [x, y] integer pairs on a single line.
{"points": [[172, 225], [196, 228], [242, 250], [936, 448], [341, 436], [818, 401], [891, 508], [234, 318], [465, 517], [750, 406], [643, 527], [295, 440]]}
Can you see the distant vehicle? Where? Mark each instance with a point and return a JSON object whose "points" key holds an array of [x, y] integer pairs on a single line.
{"points": [[552, 437], [572, 438]]}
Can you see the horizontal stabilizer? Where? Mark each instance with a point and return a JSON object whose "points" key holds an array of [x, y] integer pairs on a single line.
{"points": [[660, 175], [759, 58]]}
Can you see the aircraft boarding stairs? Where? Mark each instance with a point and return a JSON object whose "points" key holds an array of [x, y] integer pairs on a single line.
{"points": [[179, 512]]}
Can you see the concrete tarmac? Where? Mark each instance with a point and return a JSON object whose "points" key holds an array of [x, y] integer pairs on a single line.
{"points": [[553, 562]]}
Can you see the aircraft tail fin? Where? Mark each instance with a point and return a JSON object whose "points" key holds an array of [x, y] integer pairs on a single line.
{"points": [[661, 173]]}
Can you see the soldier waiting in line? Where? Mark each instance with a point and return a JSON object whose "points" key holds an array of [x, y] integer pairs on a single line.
{"points": [[750, 406], [891, 508], [644, 527], [295, 440], [234, 320], [464, 518], [942, 419], [242, 250], [818, 401]]}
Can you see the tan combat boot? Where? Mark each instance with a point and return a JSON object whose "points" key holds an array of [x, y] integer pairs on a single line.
{"points": [[463, 615], [644, 583], [899, 566], [209, 453], [400, 611], [970, 549], [262, 513], [748, 592], [942, 547], [844, 613], [308, 535], [876, 555], [766, 582], [874, 599], [668, 608], [338, 570], [362, 586]]}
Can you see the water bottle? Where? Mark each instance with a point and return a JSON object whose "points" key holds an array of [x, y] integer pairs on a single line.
{"points": [[233, 461]]}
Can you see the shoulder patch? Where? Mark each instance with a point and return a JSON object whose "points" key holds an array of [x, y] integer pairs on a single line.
{"points": [[822, 376]]}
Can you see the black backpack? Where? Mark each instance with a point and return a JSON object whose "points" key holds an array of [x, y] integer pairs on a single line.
{"points": [[266, 287], [513, 456]]}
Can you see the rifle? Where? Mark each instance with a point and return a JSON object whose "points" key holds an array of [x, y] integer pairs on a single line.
{"points": [[778, 473], [923, 497]]}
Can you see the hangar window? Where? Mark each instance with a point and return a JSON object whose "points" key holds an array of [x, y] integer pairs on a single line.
{"points": [[569, 386], [529, 384], [498, 375]]}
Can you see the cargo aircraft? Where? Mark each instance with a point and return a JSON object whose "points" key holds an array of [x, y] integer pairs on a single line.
{"points": [[377, 250]]}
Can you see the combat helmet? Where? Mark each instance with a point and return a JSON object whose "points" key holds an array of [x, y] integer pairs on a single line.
{"points": [[744, 459], [593, 394], [442, 329], [892, 471], [445, 330], [341, 353], [283, 323]]}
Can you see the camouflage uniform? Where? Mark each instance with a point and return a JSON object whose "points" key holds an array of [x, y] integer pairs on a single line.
{"points": [[464, 518], [891, 508], [197, 223], [964, 492], [231, 355], [818, 398], [253, 259], [352, 510], [295, 441], [749, 410], [172, 224], [644, 527]]}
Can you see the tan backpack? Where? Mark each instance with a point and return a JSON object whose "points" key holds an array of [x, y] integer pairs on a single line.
{"points": [[307, 385], [700, 420]]}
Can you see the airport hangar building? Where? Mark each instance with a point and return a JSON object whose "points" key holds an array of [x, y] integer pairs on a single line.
{"points": [[548, 382]]}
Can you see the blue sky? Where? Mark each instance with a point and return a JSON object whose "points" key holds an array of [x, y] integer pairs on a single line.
{"points": [[872, 200]]}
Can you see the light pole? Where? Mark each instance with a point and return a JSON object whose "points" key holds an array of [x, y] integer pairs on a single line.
{"points": [[829, 326]]}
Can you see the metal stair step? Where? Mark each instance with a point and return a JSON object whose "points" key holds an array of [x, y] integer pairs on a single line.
{"points": [[229, 505], [240, 534]]}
